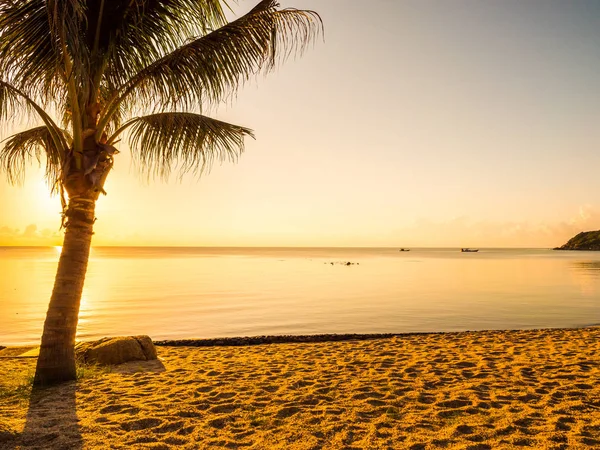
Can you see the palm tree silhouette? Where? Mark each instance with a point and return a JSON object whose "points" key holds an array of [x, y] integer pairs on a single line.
{"points": [[94, 71]]}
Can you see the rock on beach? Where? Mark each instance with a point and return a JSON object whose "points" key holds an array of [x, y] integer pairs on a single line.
{"points": [[116, 350]]}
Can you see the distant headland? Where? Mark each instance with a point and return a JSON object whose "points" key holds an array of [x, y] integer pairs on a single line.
{"points": [[588, 240]]}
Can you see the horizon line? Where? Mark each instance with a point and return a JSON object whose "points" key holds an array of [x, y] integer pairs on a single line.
{"points": [[285, 247]]}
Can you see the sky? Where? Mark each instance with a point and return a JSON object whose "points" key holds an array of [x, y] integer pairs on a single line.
{"points": [[468, 123]]}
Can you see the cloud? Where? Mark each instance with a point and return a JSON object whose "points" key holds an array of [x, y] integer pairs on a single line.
{"points": [[29, 236], [30, 231], [7, 232], [464, 231]]}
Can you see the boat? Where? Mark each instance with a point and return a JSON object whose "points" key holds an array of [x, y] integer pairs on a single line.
{"points": [[405, 250], [469, 250]]}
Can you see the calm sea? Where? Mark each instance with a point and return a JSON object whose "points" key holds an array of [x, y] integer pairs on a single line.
{"points": [[171, 293]]}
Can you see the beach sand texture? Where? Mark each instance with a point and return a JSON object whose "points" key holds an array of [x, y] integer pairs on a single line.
{"points": [[472, 390]]}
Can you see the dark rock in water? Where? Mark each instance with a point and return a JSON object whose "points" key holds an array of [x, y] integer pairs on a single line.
{"points": [[588, 240], [261, 340], [2, 347], [116, 350]]}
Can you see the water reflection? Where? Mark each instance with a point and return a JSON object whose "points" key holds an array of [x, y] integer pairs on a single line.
{"points": [[182, 293], [587, 276], [589, 267]]}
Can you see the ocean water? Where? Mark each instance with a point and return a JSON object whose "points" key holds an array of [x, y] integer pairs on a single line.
{"points": [[171, 293]]}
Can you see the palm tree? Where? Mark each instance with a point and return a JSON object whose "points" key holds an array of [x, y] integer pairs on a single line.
{"points": [[94, 71]]}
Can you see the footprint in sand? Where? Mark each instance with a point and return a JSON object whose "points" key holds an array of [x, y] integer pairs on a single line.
{"points": [[426, 399], [529, 398], [205, 389], [310, 401], [576, 394], [323, 390], [143, 440], [188, 414], [562, 424], [331, 411], [418, 447], [465, 364], [484, 373], [465, 429], [363, 395], [523, 442], [456, 403], [505, 431], [527, 422], [270, 388], [287, 411], [223, 409], [172, 440], [169, 427], [376, 402], [223, 396], [451, 413], [185, 431], [591, 442], [123, 409], [479, 447], [141, 424], [219, 422]]}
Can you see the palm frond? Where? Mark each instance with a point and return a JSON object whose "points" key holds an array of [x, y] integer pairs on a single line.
{"points": [[110, 39], [212, 66], [36, 36], [106, 60], [186, 142], [20, 149], [27, 51], [10, 102], [12, 99], [126, 36]]}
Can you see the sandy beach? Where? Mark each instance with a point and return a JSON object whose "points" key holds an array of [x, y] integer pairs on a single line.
{"points": [[472, 390]]}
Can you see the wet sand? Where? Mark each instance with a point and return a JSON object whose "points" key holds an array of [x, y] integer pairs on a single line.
{"points": [[473, 390]]}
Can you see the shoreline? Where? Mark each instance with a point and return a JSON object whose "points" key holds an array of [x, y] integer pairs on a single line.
{"points": [[243, 341], [465, 390]]}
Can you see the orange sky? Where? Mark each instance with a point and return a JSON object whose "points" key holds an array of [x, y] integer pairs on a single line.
{"points": [[463, 123]]}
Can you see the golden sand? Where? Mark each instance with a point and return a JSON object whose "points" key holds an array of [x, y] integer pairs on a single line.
{"points": [[475, 390]]}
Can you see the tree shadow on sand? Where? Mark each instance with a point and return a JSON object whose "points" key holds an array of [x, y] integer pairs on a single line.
{"points": [[51, 421]]}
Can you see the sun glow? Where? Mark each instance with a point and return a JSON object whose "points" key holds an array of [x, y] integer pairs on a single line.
{"points": [[84, 304], [44, 198], [58, 249]]}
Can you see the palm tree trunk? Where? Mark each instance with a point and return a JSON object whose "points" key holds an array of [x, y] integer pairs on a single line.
{"points": [[56, 362]]}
